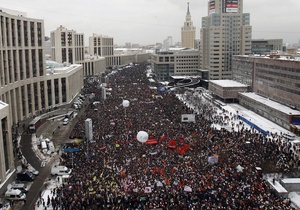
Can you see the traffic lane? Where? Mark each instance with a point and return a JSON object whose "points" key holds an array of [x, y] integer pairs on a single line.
{"points": [[44, 172], [37, 186], [28, 152]]}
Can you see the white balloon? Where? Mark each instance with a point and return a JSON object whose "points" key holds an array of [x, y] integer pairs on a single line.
{"points": [[142, 136], [125, 103], [19, 169]]}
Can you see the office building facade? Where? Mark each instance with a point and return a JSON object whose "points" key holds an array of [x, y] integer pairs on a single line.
{"points": [[225, 32], [266, 46], [6, 143], [175, 63], [26, 85], [274, 81], [67, 46], [188, 31], [276, 77], [102, 46]]}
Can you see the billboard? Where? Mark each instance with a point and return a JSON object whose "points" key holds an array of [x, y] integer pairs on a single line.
{"points": [[188, 118], [230, 6], [212, 7]]}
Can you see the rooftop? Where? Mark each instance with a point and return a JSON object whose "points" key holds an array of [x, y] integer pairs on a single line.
{"points": [[273, 104], [13, 12], [227, 83], [53, 67]]}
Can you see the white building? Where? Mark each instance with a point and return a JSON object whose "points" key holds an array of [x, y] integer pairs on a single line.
{"points": [[6, 145], [67, 46], [26, 87], [101, 45]]}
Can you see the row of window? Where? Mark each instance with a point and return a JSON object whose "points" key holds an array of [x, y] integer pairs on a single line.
{"points": [[179, 59], [283, 68], [104, 51], [20, 65], [32, 93], [262, 81], [278, 74], [98, 41], [20, 32], [266, 111]]}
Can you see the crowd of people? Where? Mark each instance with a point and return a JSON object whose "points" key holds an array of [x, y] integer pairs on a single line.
{"points": [[183, 165]]}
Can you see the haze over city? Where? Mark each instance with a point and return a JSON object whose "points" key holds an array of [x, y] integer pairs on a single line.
{"points": [[151, 21]]}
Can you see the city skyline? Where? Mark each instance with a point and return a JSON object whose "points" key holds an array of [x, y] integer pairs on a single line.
{"points": [[151, 21]]}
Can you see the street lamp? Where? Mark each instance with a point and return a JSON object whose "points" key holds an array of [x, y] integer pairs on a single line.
{"points": [[125, 104]]}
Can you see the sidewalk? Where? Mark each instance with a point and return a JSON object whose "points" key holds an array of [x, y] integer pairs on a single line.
{"points": [[44, 202]]}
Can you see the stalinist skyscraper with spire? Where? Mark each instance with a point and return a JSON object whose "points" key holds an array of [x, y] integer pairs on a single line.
{"points": [[188, 31]]}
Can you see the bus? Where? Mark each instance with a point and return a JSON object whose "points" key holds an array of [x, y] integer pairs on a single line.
{"points": [[35, 124], [69, 115]]}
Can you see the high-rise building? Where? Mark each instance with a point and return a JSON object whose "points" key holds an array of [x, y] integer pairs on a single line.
{"points": [[225, 32], [167, 43], [188, 31], [67, 46], [27, 87], [102, 46]]}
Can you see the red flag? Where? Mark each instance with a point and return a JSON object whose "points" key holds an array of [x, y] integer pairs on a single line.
{"points": [[172, 144]]}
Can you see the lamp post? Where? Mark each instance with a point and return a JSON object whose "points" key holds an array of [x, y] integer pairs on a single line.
{"points": [[125, 104]]}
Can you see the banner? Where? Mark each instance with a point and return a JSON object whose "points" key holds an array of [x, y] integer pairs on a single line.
{"points": [[188, 118], [212, 7], [213, 159]]}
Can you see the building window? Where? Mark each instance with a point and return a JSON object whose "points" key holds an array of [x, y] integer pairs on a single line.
{"points": [[64, 90], [49, 88]]}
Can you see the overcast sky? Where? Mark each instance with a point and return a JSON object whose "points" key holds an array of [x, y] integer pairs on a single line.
{"points": [[151, 21]]}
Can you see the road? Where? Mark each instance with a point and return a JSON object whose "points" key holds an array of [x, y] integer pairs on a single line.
{"points": [[58, 133]]}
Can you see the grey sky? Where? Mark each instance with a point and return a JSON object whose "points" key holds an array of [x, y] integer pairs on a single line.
{"points": [[151, 21]]}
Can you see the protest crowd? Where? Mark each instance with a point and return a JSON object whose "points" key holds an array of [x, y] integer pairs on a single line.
{"points": [[181, 166]]}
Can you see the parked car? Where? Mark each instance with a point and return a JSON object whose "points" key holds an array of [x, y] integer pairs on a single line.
{"points": [[5, 205], [60, 170], [14, 194], [18, 186], [65, 121], [25, 175], [29, 167]]}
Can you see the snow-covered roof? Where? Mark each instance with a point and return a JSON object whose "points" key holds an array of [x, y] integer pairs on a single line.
{"points": [[228, 83], [270, 103], [291, 180], [277, 186]]}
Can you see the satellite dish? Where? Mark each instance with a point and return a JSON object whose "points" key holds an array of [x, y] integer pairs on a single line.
{"points": [[9, 186]]}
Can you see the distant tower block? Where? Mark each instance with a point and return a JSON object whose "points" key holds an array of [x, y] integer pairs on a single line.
{"points": [[88, 129]]}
